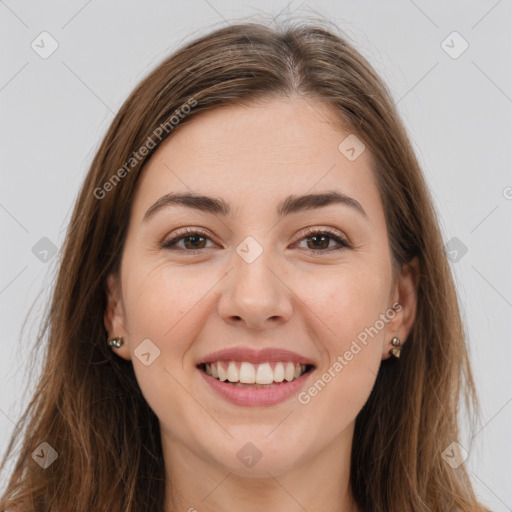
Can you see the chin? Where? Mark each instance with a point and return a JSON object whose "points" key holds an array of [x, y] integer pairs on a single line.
{"points": [[253, 452]]}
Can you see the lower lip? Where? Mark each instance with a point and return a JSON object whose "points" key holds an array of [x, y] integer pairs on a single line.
{"points": [[256, 397]]}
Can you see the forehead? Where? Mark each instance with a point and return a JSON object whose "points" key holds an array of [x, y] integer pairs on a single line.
{"points": [[278, 148]]}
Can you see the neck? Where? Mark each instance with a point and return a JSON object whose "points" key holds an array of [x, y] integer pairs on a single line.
{"points": [[321, 483]]}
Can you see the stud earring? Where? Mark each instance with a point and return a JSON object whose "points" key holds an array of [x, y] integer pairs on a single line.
{"points": [[396, 348], [116, 342]]}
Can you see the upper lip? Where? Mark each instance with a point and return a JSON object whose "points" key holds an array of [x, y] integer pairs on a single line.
{"points": [[253, 356]]}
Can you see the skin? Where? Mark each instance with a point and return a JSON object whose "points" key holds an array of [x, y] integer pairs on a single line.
{"points": [[313, 303]]}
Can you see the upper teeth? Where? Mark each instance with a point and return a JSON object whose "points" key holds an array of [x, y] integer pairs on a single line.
{"points": [[248, 373]]}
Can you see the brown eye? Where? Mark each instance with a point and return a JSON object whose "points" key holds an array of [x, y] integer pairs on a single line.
{"points": [[196, 241], [193, 241], [318, 241]]}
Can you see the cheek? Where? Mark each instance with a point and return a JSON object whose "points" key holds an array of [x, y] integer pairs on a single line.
{"points": [[161, 302], [346, 303], [162, 305], [169, 306], [347, 311]]}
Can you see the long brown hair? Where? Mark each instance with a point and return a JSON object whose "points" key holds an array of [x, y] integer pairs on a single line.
{"points": [[88, 405]]}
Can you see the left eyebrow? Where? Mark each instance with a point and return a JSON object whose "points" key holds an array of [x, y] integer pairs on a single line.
{"points": [[218, 206]]}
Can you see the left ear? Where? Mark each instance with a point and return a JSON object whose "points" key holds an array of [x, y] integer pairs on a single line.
{"points": [[405, 293]]}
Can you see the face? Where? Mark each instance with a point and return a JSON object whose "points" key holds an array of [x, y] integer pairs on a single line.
{"points": [[272, 274]]}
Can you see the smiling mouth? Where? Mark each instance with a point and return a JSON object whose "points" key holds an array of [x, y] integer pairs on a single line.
{"points": [[255, 376]]}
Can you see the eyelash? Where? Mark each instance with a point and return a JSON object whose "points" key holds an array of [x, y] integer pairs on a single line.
{"points": [[309, 233]]}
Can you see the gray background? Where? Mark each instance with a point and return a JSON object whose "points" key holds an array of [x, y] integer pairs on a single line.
{"points": [[458, 112]]}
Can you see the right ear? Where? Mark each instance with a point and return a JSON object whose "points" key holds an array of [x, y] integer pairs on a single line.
{"points": [[114, 317]]}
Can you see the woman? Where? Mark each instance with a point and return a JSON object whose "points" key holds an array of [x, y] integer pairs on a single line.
{"points": [[254, 309]]}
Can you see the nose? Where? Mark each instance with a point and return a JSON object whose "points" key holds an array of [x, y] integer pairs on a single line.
{"points": [[255, 294]]}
